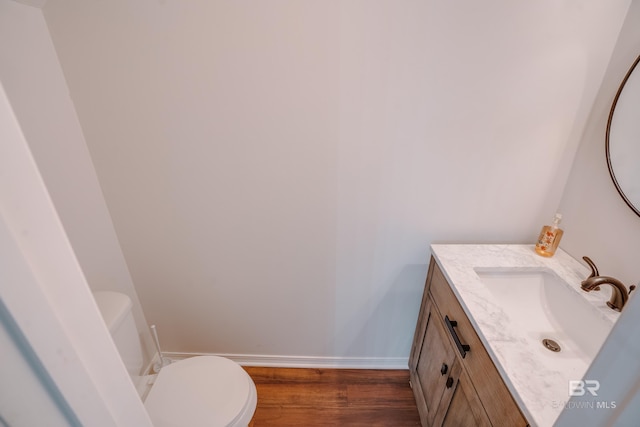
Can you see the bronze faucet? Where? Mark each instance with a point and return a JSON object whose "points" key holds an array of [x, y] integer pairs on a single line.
{"points": [[619, 294]]}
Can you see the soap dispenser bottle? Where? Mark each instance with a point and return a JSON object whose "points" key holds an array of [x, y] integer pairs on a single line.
{"points": [[549, 238]]}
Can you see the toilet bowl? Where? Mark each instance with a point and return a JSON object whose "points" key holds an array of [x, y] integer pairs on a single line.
{"points": [[200, 391]]}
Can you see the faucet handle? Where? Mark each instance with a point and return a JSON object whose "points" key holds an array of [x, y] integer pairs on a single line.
{"points": [[594, 270], [632, 288]]}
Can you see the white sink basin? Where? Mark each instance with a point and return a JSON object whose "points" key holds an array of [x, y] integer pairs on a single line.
{"points": [[543, 306]]}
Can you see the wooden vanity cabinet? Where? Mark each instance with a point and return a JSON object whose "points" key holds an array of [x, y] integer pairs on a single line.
{"points": [[454, 381]]}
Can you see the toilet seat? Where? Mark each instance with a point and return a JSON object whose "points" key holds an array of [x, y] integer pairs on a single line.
{"points": [[202, 391]]}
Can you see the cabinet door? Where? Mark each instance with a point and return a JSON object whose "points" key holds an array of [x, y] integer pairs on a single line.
{"points": [[460, 405], [433, 365], [499, 405]]}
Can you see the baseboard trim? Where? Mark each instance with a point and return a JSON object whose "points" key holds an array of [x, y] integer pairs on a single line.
{"points": [[305, 361]]}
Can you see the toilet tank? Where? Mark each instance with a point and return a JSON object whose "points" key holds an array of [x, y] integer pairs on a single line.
{"points": [[116, 312]]}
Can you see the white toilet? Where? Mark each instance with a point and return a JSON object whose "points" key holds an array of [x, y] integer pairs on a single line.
{"points": [[201, 391]]}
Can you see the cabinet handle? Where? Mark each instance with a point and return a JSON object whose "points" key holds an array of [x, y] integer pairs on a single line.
{"points": [[462, 348], [444, 369], [449, 382]]}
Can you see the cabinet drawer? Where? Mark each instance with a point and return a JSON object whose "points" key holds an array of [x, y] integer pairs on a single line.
{"points": [[496, 398]]}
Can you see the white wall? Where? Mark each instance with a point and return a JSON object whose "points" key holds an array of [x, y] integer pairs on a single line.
{"points": [[36, 88], [597, 221], [276, 170]]}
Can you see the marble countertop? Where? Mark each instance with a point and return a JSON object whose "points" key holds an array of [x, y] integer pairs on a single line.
{"points": [[540, 388]]}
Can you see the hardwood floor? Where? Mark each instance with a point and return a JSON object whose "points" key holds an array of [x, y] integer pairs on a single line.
{"points": [[333, 397]]}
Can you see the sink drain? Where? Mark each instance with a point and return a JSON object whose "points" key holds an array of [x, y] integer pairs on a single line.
{"points": [[551, 345]]}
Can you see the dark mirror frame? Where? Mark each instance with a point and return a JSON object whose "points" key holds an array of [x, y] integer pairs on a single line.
{"points": [[636, 209]]}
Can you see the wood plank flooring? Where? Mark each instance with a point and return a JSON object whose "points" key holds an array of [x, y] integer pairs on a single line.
{"points": [[333, 397]]}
